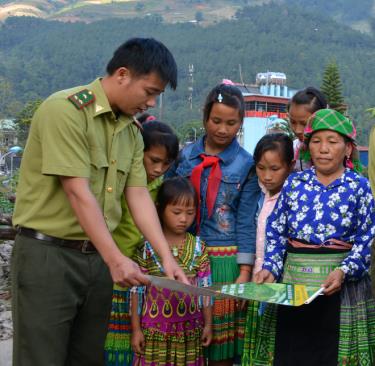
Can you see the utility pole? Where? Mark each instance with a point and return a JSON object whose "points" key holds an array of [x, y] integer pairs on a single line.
{"points": [[240, 71], [161, 107], [190, 87]]}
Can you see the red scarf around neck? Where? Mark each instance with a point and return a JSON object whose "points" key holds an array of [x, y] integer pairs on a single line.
{"points": [[214, 180]]}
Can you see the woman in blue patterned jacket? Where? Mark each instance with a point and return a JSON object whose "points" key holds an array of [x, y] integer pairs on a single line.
{"points": [[320, 233]]}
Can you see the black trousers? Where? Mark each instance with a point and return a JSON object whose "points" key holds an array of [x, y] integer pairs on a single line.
{"points": [[61, 305]]}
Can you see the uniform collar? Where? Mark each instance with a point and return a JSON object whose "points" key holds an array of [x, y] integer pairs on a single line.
{"points": [[226, 156], [101, 100], [102, 104]]}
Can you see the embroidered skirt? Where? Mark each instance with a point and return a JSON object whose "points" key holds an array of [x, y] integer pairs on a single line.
{"points": [[332, 330], [172, 324], [228, 320], [117, 346], [172, 344], [253, 318]]}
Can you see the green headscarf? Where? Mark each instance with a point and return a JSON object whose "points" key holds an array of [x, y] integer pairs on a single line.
{"points": [[329, 119]]}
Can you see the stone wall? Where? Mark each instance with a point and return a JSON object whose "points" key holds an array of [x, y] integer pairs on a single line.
{"points": [[5, 297]]}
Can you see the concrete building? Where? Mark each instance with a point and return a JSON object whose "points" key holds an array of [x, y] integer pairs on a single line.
{"points": [[265, 100], [8, 134]]}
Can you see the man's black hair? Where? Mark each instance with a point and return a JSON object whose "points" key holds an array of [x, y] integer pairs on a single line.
{"points": [[143, 56]]}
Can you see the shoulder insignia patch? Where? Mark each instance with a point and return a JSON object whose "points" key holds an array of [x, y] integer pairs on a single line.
{"points": [[82, 98]]}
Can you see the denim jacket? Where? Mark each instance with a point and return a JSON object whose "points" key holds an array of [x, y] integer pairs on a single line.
{"points": [[233, 218]]}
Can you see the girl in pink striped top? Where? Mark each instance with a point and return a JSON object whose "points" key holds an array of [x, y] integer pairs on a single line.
{"points": [[274, 161]]}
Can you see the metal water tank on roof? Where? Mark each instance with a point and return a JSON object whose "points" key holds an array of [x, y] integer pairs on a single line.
{"points": [[270, 77]]}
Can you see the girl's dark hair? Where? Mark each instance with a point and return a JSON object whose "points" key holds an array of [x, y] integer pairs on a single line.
{"points": [[175, 190], [145, 117], [229, 95], [311, 97], [279, 142], [157, 133]]}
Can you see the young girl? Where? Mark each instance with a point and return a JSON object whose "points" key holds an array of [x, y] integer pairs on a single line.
{"points": [[303, 104], [219, 168], [174, 326], [160, 150], [274, 161], [320, 233]]}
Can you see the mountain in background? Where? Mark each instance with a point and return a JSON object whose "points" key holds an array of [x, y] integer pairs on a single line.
{"points": [[360, 15], [38, 57], [92, 10]]}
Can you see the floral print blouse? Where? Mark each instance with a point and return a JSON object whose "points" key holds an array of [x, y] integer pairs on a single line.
{"points": [[311, 212]]}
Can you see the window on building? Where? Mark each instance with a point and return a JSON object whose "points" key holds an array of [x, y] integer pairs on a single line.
{"points": [[250, 106], [261, 106], [276, 107], [265, 107]]}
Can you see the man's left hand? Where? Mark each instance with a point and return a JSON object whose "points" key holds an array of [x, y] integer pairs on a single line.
{"points": [[174, 271]]}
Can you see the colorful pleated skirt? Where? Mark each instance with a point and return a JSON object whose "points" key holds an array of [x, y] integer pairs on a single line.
{"points": [[228, 319], [117, 348], [172, 324], [333, 330], [253, 317]]}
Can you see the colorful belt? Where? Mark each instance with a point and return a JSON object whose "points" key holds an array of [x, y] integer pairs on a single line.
{"points": [[222, 251]]}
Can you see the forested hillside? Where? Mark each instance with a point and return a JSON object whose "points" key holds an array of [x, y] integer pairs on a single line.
{"points": [[358, 14], [38, 57], [347, 10]]}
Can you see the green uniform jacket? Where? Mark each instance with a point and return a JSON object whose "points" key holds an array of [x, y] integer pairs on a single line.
{"points": [[126, 235], [87, 141]]}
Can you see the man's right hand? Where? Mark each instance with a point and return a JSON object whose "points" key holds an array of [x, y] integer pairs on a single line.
{"points": [[125, 272]]}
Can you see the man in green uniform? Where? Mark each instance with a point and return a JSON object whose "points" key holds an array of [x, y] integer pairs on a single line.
{"points": [[371, 174], [84, 150]]}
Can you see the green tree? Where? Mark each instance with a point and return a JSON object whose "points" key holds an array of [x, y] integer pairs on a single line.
{"points": [[8, 103], [23, 120], [190, 131], [371, 111], [332, 87]]}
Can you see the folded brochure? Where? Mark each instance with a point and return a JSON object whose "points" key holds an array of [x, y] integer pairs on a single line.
{"points": [[276, 293]]}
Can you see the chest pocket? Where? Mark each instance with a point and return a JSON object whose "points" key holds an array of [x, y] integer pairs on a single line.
{"points": [[99, 167], [123, 169], [229, 191]]}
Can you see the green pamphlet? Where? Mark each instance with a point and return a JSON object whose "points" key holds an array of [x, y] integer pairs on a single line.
{"points": [[276, 293]]}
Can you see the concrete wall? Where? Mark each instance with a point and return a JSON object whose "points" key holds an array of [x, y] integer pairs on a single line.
{"points": [[253, 129]]}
